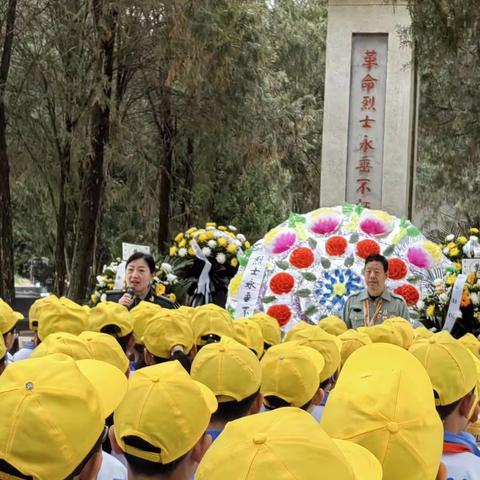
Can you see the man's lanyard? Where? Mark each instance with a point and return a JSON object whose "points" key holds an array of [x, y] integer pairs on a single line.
{"points": [[366, 313]]}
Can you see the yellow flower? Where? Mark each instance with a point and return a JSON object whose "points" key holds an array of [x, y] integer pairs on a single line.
{"points": [[433, 249], [451, 245], [454, 252], [200, 232], [222, 228], [172, 297], [451, 279], [339, 289], [234, 262], [247, 245], [462, 240], [94, 298], [235, 283], [231, 248], [179, 237], [182, 243], [202, 238], [191, 230], [430, 311], [160, 289], [222, 242], [110, 285], [210, 234], [458, 265], [473, 231], [191, 252], [211, 224], [173, 251]]}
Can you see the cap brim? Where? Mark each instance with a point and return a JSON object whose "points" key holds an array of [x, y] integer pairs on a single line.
{"points": [[109, 382], [208, 396], [364, 463]]}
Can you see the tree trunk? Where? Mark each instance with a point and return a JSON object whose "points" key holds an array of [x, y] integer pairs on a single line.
{"points": [[7, 282], [93, 171], [186, 198], [168, 133]]}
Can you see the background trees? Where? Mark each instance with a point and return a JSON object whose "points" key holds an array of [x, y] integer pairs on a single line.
{"points": [[129, 120]]}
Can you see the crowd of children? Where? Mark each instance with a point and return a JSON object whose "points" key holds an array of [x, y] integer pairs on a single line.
{"points": [[153, 393]]}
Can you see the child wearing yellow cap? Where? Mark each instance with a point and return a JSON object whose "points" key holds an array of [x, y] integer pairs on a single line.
{"points": [[271, 332], [8, 323], [233, 373], [52, 416], [168, 337], [383, 401], [454, 378], [210, 323], [291, 377], [115, 320], [161, 424], [3, 353], [249, 333], [286, 443]]}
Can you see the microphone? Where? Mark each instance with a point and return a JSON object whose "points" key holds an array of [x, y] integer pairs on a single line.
{"points": [[131, 292]]}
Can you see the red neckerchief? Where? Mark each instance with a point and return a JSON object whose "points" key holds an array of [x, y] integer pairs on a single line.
{"points": [[455, 448]]}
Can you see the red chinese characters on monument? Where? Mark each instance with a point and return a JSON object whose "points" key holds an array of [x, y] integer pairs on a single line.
{"points": [[366, 148]]}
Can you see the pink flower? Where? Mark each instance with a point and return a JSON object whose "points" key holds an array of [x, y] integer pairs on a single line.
{"points": [[372, 226], [324, 221], [419, 257], [280, 240]]}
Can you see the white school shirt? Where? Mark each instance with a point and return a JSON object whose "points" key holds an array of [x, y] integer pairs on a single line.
{"points": [[111, 469], [462, 466]]}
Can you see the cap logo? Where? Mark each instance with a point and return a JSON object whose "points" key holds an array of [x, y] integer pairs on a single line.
{"points": [[29, 386]]}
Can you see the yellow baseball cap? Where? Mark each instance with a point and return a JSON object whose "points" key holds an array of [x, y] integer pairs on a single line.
{"points": [[291, 371], [60, 316], [211, 320], [404, 327], [449, 365], [328, 345], [333, 325], [290, 335], [63, 342], [383, 333], [352, 340], [249, 333], [34, 309], [230, 370], [286, 443], [383, 401], [53, 411], [111, 313], [471, 342], [421, 332], [141, 315], [166, 330], [175, 413], [186, 311], [8, 317], [271, 332], [105, 348]]}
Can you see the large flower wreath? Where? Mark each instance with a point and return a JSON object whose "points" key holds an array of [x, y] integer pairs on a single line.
{"points": [[306, 268]]}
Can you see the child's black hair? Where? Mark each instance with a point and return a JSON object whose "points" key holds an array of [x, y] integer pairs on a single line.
{"points": [[229, 411]]}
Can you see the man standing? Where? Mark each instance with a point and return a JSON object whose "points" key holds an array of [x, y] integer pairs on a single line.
{"points": [[376, 303]]}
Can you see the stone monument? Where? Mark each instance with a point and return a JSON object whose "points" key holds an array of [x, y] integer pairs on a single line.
{"points": [[368, 153]]}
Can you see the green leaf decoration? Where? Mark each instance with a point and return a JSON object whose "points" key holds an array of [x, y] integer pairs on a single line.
{"points": [[404, 223], [231, 311], [326, 263], [312, 309], [284, 265], [295, 218], [354, 238], [248, 253], [310, 277], [347, 208], [359, 209], [389, 250], [349, 261], [312, 243], [269, 299], [413, 279], [413, 232], [401, 233], [243, 261], [304, 292]]}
